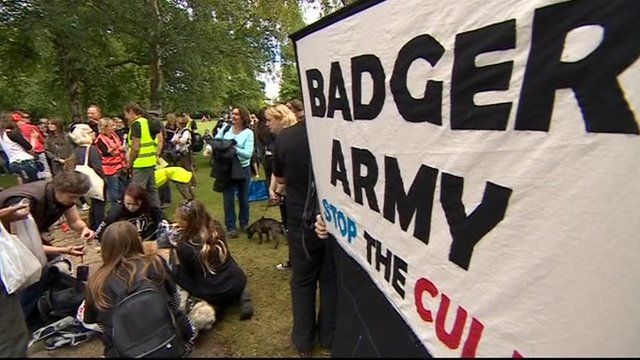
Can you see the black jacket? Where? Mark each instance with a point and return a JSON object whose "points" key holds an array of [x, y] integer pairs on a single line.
{"points": [[225, 165]]}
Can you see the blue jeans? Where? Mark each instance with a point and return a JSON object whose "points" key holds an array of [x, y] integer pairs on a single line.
{"points": [[115, 189], [27, 170], [228, 197]]}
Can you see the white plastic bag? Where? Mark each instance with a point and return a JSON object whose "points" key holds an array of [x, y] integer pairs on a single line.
{"points": [[97, 184], [27, 231], [19, 268]]}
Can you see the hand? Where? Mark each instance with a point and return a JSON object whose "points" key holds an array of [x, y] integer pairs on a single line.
{"points": [[15, 212], [275, 199], [87, 234], [77, 250], [321, 227]]}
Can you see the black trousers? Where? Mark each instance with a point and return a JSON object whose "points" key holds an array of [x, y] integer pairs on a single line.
{"points": [[308, 274]]}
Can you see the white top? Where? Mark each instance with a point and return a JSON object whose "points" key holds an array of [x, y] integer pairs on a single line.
{"points": [[183, 137], [14, 151]]}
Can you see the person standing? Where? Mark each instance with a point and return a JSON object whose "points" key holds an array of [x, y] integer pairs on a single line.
{"points": [[58, 146], [182, 142], [311, 261], [85, 151], [243, 137], [143, 150], [111, 152]]}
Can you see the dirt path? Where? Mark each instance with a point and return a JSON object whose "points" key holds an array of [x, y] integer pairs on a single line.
{"points": [[207, 344]]}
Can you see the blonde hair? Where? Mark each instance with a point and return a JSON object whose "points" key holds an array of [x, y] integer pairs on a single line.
{"points": [[104, 124], [281, 114]]}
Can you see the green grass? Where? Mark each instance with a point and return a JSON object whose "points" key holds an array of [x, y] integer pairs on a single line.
{"points": [[267, 334]]}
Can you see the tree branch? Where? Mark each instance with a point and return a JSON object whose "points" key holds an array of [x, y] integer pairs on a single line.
{"points": [[125, 62]]}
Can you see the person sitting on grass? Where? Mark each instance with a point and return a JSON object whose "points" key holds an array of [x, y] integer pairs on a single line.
{"points": [[134, 208], [206, 269], [124, 263]]}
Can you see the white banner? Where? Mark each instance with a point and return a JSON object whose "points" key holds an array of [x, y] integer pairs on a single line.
{"points": [[480, 159]]}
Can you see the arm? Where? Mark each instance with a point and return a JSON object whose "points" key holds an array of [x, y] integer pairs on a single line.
{"points": [[48, 149], [113, 215], [134, 151], [95, 161], [247, 146], [18, 138], [76, 223]]}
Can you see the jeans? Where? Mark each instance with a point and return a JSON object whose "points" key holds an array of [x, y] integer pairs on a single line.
{"points": [[115, 189], [228, 197], [309, 274], [27, 170]]}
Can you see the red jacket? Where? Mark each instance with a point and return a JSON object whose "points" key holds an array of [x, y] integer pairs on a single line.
{"points": [[112, 153]]}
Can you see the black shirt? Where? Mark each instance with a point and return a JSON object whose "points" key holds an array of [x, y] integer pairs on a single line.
{"points": [[155, 127], [291, 162], [145, 222]]}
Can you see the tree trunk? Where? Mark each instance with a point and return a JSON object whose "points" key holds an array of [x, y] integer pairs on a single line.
{"points": [[69, 78], [156, 61]]}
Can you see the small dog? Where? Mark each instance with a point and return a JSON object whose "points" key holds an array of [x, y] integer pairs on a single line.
{"points": [[268, 226], [200, 312]]}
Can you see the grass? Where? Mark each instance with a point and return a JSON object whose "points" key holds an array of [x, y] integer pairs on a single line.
{"points": [[267, 334]]}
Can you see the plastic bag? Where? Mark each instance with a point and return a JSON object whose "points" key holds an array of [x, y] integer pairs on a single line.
{"points": [[19, 267], [27, 232], [258, 190]]}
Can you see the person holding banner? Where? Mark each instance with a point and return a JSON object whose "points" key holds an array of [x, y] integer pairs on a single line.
{"points": [[311, 263]]}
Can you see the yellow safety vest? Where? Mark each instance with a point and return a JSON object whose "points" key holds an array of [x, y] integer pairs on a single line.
{"points": [[148, 147], [172, 173]]}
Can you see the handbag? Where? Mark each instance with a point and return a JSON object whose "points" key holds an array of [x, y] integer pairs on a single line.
{"points": [[258, 190], [19, 268], [97, 184]]}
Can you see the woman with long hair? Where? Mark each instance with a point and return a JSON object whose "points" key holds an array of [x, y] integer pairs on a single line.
{"points": [[124, 261], [207, 270], [244, 139], [136, 209], [58, 146]]}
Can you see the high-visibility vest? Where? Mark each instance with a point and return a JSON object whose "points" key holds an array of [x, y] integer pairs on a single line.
{"points": [[113, 163], [172, 173], [148, 147]]}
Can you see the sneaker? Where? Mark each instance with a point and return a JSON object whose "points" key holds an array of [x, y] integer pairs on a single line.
{"points": [[85, 207], [233, 234], [284, 266]]}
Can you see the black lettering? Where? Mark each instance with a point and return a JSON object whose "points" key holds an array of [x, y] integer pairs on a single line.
{"points": [[467, 231], [467, 79], [337, 94], [418, 201], [315, 83], [592, 79], [360, 157], [398, 277], [371, 242], [338, 169], [371, 64], [384, 260], [429, 108]]}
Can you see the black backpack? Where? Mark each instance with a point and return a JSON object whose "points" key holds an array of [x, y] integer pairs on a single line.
{"points": [[197, 142], [143, 324]]}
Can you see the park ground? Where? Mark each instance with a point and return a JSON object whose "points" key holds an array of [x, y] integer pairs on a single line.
{"points": [[267, 334]]}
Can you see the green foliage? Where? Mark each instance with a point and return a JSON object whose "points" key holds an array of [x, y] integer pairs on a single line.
{"points": [[59, 56]]}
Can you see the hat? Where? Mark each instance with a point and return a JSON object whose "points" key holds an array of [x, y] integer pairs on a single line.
{"points": [[82, 134]]}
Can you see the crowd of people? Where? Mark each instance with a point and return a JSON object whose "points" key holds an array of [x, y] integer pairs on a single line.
{"points": [[120, 171]]}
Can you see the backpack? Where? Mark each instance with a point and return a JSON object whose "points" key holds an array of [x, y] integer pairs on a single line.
{"points": [[143, 324], [63, 295], [197, 142]]}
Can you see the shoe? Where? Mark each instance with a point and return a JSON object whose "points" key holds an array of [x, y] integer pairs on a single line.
{"points": [[246, 306], [85, 207], [165, 205], [304, 354], [233, 234], [326, 352], [244, 228], [284, 266]]}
